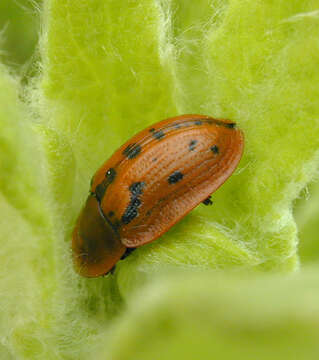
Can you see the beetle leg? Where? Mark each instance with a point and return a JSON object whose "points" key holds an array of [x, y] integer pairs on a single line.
{"points": [[208, 201], [128, 251]]}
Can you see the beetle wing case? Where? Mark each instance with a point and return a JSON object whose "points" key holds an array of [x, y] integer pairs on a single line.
{"points": [[192, 163], [163, 172]]}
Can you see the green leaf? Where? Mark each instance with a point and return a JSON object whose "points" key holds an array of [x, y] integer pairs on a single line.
{"points": [[19, 155], [110, 69], [220, 316], [19, 24], [26, 253], [307, 217]]}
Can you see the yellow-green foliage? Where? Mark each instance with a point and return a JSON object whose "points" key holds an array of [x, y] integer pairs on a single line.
{"points": [[18, 29], [307, 218], [107, 69], [210, 316]]}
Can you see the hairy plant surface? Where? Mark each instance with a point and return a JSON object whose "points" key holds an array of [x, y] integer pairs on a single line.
{"points": [[102, 71]]}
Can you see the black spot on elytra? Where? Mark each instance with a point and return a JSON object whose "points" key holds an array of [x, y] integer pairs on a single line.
{"points": [[175, 177], [128, 251], [192, 145], [131, 212], [136, 189], [198, 122], [111, 214], [135, 203], [215, 149], [222, 123], [207, 201], [230, 125], [132, 150], [158, 134], [154, 159]]}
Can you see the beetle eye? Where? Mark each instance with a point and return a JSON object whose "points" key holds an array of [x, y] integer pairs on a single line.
{"points": [[110, 175]]}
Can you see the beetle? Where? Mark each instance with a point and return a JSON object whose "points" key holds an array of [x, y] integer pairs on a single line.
{"points": [[149, 184]]}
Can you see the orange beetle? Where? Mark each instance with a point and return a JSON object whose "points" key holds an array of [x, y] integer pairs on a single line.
{"points": [[149, 184]]}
